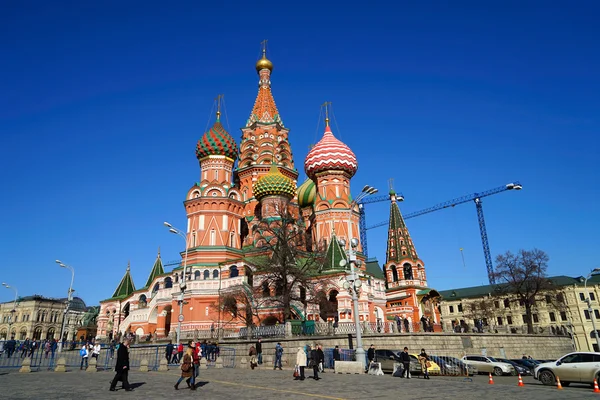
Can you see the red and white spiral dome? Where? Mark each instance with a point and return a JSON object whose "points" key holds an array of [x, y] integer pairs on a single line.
{"points": [[330, 154]]}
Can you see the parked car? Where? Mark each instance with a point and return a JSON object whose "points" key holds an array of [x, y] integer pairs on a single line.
{"points": [[465, 369], [388, 358], [446, 367], [582, 367], [521, 369], [489, 365], [526, 362]]}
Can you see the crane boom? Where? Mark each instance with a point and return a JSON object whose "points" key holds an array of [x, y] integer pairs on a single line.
{"points": [[476, 197]]}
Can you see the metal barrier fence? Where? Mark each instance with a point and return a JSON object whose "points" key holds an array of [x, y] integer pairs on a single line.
{"points": [[106, 359]]}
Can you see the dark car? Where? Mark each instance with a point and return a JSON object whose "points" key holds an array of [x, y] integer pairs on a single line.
{"points": [[526, 362], [521, 369], [464, 368]]}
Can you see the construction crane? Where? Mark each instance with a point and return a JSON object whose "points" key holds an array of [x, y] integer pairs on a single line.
{"points": [[476, 197]]}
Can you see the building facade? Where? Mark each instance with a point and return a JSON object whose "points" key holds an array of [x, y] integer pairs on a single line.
{"points": [[561, 312], [243, 188], [38, 317]]}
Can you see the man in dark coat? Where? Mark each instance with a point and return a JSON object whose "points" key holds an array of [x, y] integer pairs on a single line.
{"points": [[405, 358], [336, 355], [371, 354], [314, 363], [122, 367], [169, 352], [259, 350]]}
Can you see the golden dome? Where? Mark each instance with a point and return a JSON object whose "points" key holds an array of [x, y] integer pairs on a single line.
{"points": [[264, 63]]}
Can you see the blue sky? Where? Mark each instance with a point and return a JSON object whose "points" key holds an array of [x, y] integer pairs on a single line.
{"points": [[102, 105]]}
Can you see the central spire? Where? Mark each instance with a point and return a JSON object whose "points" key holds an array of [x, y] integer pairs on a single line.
{"points": [[264, 111]]}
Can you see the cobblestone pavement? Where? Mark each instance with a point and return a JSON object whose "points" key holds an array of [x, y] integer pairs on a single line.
{"points": [[232, 384]]}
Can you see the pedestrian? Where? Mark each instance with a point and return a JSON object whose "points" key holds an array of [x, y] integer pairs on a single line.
{"points": [[405, 358], [399, 323], [122, 367], [259, 350], [112, 348], [169, 352], [10, 346], [321, 358], [336, 355], [96, 350], [301, 363], [53, 347], [406, 325], [47, 348], [278, 355], [179, 353], [187, 370], [252, 354], [314, 362], [196, 359], [371, 354], [84, 353], [425, 363]]}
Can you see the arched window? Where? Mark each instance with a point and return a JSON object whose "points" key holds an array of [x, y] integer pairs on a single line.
{"points": [[266, 292], [37, 333], [142, 302], [233, 271], [197, 275], [408, 271], [155, 289], [126, 310], [215, 274], [206, 274], [168, 283], [394, 274], [176, 278]]}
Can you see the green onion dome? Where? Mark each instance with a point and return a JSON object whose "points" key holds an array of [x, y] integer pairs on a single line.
{"points": [[274, 183], [307, 193], [217, 142]]}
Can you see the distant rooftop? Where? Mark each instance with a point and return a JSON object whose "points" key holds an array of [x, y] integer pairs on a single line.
{"points": [[76, 304]]}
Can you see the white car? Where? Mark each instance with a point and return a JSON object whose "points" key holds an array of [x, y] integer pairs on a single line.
{"points": [[489, 365], [581, 367]]}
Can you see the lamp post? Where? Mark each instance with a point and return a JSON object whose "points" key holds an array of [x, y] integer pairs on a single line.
{"points": [[353, 282], [69, 299], [589, 304], [182, 285], [14, 309]]}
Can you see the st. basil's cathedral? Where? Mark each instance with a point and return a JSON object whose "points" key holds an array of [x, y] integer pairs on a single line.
{"points": [[242, 186]]}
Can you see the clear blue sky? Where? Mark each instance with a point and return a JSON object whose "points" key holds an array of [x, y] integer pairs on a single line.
{"points": [[101, 107]]}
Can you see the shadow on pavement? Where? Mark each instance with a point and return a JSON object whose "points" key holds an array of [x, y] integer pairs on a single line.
{"points": [[200, 384], [136, 385]]}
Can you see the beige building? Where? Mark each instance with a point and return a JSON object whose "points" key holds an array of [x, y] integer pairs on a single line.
{"points": [[38, 317], [564, 312]]}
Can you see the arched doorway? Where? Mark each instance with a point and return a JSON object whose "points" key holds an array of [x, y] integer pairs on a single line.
{"points": [[125, 310], [37, 333], [168, 311], [50, 334]]}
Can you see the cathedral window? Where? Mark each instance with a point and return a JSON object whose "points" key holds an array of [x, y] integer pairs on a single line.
{"points": [[213, 237], [394, 274], [233, 271], [231, 239], [337, 191], [206, 274], [216, 174], [168, 283], [194, 239], [215, 274], [197, 275]]}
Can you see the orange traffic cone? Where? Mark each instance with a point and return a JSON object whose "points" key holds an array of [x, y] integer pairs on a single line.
{"points": [[558, 385], [491, 381], [520, 381], [596, 389]]}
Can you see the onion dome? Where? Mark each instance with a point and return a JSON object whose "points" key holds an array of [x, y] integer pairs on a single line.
{"points": [[330, 154], [264, 62], [217, 142], [307, 193], [274, 183]]}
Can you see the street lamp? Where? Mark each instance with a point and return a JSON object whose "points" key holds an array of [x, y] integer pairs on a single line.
{"points": [[353, 282], [69, 299], [182, 286], [14, 310], [589, 304]]}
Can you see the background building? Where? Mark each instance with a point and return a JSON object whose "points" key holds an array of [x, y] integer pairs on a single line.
{"points": [[38, 317], [563, 311]]}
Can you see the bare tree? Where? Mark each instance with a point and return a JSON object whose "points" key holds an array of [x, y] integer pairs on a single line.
{"points": [[522, 276], [285, 271], [482, 310]]}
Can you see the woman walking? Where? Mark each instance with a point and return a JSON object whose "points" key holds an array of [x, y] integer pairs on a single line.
{"points": [[187, 370], [301, 363], [425, 363]]}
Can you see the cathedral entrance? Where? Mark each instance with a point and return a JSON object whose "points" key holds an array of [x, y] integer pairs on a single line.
{"points": [[168, 311]]}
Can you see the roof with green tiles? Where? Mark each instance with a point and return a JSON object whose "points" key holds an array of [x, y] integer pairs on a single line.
{"points": [[484, 290], [217, 141], [374, 269], [274, 183], [126, 286], [157, 270], [334, 255]]}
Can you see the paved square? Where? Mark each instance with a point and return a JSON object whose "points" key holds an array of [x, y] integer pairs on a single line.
{"points": [[232, 384]]}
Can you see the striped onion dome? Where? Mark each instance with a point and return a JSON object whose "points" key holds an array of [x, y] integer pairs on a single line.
{"points": [[274, 183], [307, 193], [217, 142], [330, 154]]}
